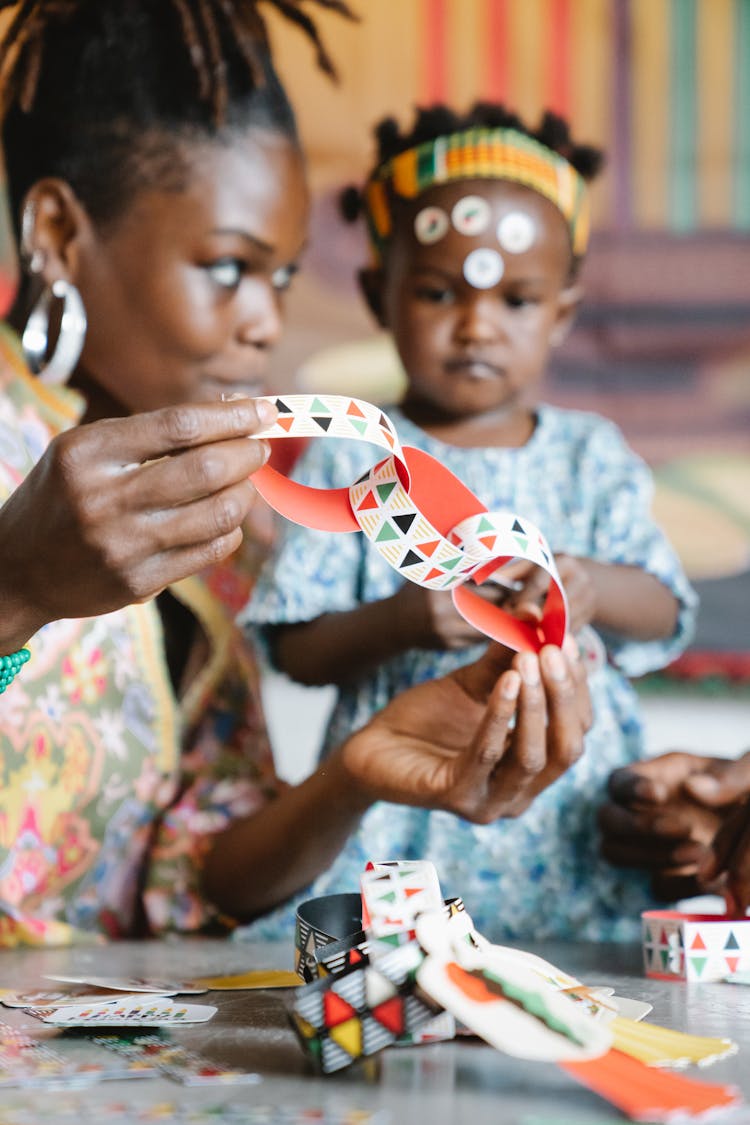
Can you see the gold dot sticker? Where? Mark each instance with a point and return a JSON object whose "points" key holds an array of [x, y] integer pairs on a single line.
{"points": [[471, 215], [430, 225]]}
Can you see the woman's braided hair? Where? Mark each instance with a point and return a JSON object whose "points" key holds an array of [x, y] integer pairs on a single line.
{"points": [[94, 91]]}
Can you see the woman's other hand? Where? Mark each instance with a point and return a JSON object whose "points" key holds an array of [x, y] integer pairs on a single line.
{"points": [[481, 742]]}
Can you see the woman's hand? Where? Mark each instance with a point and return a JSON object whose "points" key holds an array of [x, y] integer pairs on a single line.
{"points": [[725, 788], [451, 743], [116, 510]]}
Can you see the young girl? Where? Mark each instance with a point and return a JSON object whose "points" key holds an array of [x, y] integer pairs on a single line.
{"points": [[478, 229]]}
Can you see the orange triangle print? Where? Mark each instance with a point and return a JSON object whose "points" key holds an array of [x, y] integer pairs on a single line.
{"points": [[488, 541], [732, 963], [433, 574], [370, 501], [286, 423], [336, 1009], [428, 548], [354, 409], [697, 942]]}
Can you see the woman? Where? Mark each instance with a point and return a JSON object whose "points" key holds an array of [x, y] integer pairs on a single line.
{"points": [[157, 182]]}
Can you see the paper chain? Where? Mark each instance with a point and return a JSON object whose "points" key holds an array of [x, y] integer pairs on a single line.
{"points": [[417, 514]]}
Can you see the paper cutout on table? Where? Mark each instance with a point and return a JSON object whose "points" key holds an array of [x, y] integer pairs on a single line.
{"points": [[175, 1061], [694, 947], [52, 1064], [135, 984], [254, 978], [157, 1011], [646, 1094], [24, 1109], [60, 998], [660, 1046], [423, 521]]}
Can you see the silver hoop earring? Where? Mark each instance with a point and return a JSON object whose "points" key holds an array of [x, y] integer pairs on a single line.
{"points": [[70, 337]]}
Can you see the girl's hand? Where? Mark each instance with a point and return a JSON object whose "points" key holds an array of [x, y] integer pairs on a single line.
{"points": [[452, 744], [116, 510], [527, 602], [428, 619]]}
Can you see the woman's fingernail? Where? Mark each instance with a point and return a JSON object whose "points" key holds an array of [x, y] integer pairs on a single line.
{"points": [[528, 666], [267, 411], [510, 685], [556, 665], [570, 648]]}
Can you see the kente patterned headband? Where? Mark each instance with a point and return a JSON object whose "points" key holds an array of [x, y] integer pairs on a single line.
{"points": [[478, 153]]}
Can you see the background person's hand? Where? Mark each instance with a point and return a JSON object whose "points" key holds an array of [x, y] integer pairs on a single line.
{"points": [[481, 742], [724, 786], [654, 821], [116, 510]]}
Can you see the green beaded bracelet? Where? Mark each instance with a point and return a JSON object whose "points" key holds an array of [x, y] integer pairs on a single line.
{"points": [[10, 666]]}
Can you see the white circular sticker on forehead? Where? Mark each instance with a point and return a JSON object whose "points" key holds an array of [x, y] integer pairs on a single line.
{"points": [[516, 232], [471, 215], [431, 224], [483, 268]]}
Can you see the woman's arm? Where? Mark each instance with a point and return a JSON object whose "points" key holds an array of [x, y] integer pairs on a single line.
{"points": [[447, 744], [116, 510]]}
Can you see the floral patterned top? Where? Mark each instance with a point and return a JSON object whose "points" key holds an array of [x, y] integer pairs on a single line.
{"points": [[110, 788], [539, 875]]}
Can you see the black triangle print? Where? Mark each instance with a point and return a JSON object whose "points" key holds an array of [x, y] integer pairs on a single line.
{"points": [[324, 423], [409, 559], [364, 477], [403, 523], [385, 423], [517, 527], [282, 407]]}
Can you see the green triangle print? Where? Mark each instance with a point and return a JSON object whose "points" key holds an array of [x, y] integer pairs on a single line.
{"points": [[384, 491], [522, 543], [485, 525], [386, 533], [731, 942], [664, 957], [390, 896], [319, 407], [449, 564], [360, 425], [698, 964]]}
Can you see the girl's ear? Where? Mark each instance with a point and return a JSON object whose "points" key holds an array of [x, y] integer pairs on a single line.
{"points": [[371, 287], [54, 226], [567, 308]]}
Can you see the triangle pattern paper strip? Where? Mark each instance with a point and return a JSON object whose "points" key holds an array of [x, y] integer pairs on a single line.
{"points": [[412, 497]]}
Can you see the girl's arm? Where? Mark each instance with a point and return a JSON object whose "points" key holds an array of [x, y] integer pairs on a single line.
{"points": [[337, 648], [446, 744]]}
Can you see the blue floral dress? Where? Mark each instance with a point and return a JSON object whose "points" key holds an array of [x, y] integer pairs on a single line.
{"points": [[539, 875]]}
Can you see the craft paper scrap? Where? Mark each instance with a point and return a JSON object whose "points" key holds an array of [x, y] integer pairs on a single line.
{"points": [[58, 998], [176, 1062], [421, 519], [255, 978], [660, 1046], [135, 984], [154, 1012]]}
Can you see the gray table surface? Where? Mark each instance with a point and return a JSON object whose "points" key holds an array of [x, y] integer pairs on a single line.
{"points": [[462, 1081]]}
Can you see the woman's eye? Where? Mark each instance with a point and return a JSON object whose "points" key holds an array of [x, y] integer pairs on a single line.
{"points": [[281, 278], [227, 272]]}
